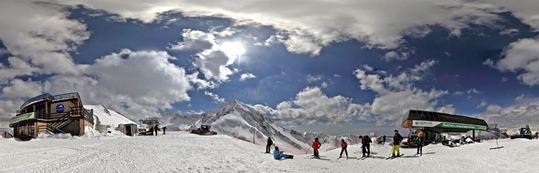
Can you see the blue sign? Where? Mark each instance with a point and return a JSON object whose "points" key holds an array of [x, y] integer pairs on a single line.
{"points": [[60, 108]]}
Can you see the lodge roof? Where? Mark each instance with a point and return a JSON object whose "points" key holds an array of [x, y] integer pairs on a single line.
{"points": [[47, 96], [443, 117]]}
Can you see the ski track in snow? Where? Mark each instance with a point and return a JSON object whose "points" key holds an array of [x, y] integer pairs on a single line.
{"points": [[182, 152]]}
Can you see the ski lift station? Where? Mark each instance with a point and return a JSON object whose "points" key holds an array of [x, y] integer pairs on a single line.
{"points": [[46, 113], [434, 124]]}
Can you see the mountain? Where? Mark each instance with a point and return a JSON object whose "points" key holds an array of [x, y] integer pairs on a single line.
{"points": [[105, 118], [175, 121], [248, 122]]}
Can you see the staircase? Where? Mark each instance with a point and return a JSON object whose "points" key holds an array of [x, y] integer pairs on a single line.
{"points": [[59, 124]]}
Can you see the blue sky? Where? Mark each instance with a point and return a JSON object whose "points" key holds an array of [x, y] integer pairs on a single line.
{"points": [[475, 63]]}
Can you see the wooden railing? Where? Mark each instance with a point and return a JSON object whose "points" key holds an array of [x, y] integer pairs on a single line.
{"points": [[73, 111]]}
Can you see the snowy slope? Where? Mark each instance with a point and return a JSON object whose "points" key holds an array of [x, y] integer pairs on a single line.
{"points": [[183, 152], [242, 121], [105, 118]]}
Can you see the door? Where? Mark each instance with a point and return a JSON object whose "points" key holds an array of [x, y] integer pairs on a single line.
{"points": [[129, 130]]}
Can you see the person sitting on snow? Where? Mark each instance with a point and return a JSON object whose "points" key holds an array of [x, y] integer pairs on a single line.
{"points": [[279, 155]]}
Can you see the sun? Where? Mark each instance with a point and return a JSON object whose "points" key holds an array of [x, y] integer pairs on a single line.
{"points": [[233, 49]]}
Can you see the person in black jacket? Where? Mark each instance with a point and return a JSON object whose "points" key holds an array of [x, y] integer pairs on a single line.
{"points": [[156, 128], [420, 141], [366, 145], [397, 138], [268, 145], [165, 130]]}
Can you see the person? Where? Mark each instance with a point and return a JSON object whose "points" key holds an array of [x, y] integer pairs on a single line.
{"points": [[156, 128], [165, 130], [384, 139], [268, 145], [279, 155], [397, 138], [316, 145], [151, 130], [420, 141], [344, 145], [366, 145]]}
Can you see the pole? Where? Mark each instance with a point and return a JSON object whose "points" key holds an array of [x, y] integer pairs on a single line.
{"points": [[254, 131]]}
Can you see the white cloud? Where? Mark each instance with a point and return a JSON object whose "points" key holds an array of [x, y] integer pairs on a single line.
{"points": [[450, 109], [396, 55], [214, 97], [380, 23], [423, 66], [195, 40], [396, 95], [396, 104], [201, 83], [312, 106], [468, 92], [247, 76], [137, 82], [8, 109], [211, 59], [41, 34], [520, 98], [522, 57], [314, 78], [510, 31], [324, 85], [513, 116], [17, 67], [18, 88], [482, 104], [526, 10]]}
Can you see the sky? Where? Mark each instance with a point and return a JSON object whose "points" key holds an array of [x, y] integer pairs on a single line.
{"points": [[310, 64]]}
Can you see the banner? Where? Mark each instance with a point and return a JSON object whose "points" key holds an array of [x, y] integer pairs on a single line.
{"points": [[22, 117], [438, 124]]}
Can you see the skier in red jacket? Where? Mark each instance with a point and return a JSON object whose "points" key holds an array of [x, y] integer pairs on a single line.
{"points": [[316, 146]]}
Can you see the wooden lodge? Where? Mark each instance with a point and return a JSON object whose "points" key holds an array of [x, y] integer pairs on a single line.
{"points": [[50, 114]]}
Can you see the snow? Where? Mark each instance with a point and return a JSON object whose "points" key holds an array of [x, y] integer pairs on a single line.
{"points": [[106, 119], [183, 152]]}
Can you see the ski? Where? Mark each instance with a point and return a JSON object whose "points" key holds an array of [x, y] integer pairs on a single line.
{"points": [[393, 157]]}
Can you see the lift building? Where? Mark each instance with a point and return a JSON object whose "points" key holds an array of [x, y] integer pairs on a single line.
{"points": [[46, 113], [436, 122]]}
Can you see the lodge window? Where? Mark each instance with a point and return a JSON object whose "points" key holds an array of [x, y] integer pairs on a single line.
{"points": [[31, 130]]}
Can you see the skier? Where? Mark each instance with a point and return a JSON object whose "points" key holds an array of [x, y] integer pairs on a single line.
{"points": [[165, 130], [156, 128], [366, 145], [268, 145], [397, 138], [343, 148], [420, 141], [316, 146], [278, 155], [384, 140]]}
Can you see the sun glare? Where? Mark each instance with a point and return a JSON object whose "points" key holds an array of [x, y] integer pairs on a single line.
{"points": [[233, 49]]}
